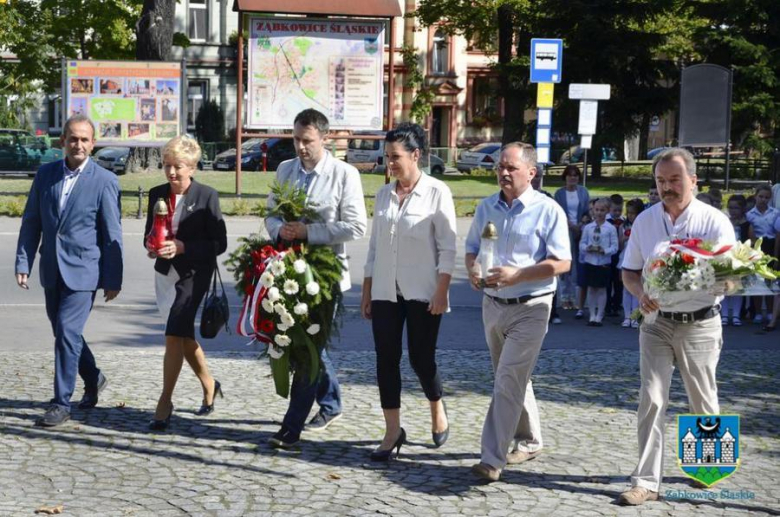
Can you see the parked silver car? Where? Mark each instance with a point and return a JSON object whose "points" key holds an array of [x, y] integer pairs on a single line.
{"points": [[435, 166], [483, 156]]}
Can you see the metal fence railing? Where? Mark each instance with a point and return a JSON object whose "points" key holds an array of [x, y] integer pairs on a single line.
{"points": [[449, 155]]}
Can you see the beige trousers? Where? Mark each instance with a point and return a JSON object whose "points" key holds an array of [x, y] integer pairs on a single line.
{"points": [[514, 334], [695, 349]]}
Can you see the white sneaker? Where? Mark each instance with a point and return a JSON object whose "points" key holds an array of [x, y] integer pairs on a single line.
{"points": [[634, 324], [556, 321], [758, 319], [736, 322], [626, 323], [724, 321]]}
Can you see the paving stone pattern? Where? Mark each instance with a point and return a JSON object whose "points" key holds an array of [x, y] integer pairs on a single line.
{"points": [[106, 462]]}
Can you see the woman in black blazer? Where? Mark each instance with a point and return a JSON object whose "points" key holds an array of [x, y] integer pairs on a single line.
{"points": [[184, 267]]}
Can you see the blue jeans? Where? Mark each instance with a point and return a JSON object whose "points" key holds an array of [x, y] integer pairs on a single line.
{"points": [[325, 390], [68, 311]]}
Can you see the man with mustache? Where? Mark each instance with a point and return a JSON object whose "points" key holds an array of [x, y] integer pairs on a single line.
{"points": [[531, 251], [686, 334]]}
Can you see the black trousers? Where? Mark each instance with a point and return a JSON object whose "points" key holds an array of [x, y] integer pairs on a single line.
{"points": [[422, 330]]}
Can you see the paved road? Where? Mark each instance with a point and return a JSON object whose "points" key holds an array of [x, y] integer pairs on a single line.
{"points": [[132, 321], [105, 462]]}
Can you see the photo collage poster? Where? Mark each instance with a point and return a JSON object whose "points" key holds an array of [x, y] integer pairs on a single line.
{"points": [[131, 103]]}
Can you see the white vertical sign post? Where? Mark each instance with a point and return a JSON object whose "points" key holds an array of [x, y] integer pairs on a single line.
{"points": [[588, 95]]}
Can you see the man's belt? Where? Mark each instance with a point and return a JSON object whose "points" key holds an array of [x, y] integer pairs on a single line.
{"points": [[689, 317], [515, 301]]}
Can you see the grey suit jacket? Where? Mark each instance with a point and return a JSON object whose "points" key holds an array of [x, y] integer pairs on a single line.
{"points": [[337, 193]]}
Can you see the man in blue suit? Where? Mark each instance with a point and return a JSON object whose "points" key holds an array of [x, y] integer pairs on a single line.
{"points": [[73, 213]]}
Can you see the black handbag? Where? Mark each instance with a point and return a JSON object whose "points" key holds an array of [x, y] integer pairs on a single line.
{"points": [[216, 311]]}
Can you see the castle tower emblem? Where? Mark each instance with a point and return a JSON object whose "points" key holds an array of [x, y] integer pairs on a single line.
{"points": [[708, 446]]}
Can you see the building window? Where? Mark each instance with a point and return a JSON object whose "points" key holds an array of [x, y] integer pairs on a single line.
{"points": [[485, 98], [198, 20], [440, 53], [197, 94]]}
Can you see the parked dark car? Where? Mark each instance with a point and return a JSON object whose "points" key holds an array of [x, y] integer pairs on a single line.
{"points": [[252, 151], [22, 153], [577, 155], [112, 158]]}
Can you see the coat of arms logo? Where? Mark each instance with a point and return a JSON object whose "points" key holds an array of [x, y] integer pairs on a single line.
{"points": [[708, 446]]}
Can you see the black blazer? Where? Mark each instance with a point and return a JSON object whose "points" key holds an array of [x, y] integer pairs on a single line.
{"points": [[201, 228]]}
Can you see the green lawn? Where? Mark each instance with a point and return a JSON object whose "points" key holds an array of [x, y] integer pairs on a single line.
{"points": [[467, 190]]}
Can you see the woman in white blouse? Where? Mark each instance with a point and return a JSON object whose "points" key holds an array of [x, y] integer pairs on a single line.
{"points": [[412, 252]]}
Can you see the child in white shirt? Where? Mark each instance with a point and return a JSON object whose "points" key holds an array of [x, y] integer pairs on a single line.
{"points": [[599, 242]]}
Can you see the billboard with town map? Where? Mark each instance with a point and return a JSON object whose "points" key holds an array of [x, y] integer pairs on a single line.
{"points": [[333, 66], [133, 103]]}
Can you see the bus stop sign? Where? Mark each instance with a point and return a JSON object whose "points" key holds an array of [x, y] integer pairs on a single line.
{"points": [[546, 60]]}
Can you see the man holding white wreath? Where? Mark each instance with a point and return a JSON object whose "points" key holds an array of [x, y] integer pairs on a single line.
{"points": [[334, 189]]}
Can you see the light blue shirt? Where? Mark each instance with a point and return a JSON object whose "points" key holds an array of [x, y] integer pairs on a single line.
{"points": [[763, 224], [69, 181], [532, 229]]}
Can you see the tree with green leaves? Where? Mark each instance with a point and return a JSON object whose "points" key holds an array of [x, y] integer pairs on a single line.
{"points": [[210, 122], [744, 35], [38, 33], [604, 42]]}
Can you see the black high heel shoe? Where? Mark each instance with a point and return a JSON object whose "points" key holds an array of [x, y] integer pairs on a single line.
{"points": [[207, 409], [440, 439], [161, 425], [385, 455]]}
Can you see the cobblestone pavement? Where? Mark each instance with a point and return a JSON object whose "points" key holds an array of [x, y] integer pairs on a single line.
{"points": [[105, 462]]}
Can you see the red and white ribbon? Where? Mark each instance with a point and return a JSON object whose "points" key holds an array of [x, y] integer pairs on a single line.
{"points": [[699, 252]]}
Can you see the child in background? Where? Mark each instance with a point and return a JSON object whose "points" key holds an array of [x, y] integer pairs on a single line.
{"points": [[599, 242], [652, 196], [747, 307], [704, 198], [582, 287], [615, 289], [750, 203], [717, 197], [733, 304], [630, 303], [762, 226]]}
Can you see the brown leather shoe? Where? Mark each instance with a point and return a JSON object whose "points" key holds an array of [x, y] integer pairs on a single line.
{"points": [[516, 457], [486, 472], [637, 495]]}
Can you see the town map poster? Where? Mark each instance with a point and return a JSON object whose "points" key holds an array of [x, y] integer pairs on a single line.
{"points": [[132, 103], [333, 66]]}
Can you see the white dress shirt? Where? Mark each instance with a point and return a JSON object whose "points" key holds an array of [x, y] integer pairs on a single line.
{"points": [[652, 230], [572, 205], [606, 237], [69, 181], [411, 244]]}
